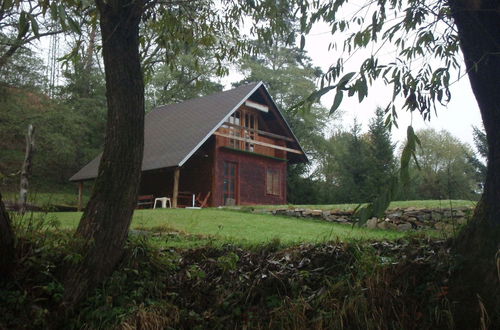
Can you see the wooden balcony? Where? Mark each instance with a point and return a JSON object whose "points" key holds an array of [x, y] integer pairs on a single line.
{"points": [[252, 140]]}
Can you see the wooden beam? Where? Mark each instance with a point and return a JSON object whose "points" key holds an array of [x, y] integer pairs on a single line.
{"points": [[259, 143], [175, 196], [80, 195], [263, 133]]}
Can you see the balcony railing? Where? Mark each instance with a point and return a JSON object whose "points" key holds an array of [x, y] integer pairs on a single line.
{"points": [[252, 140]]}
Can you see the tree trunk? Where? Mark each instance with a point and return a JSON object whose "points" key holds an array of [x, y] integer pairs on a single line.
{"points": [[478, 24], [105, 223], [26, 169], [7, 252]]}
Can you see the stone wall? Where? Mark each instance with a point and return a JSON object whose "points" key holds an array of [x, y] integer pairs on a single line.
{"points": [[398, 219]]}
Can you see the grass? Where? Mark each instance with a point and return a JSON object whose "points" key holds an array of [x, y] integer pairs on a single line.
{"points": [[49, 198], [201, 227], [445, 204]]}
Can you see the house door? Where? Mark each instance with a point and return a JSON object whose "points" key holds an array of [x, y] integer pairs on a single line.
{"points": [[230, 183]]}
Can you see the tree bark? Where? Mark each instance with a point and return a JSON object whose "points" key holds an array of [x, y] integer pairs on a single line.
{"points": [[105, 223], [478, 24], [26, 169], [7, 239]]}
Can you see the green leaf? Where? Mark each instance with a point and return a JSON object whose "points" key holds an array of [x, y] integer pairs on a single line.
{"points": [[34, 25], [62, 16], [336, 102], [74, 26], [362, 89], [24, 25], [409, 151], [7, 4], [54, 13], [345, 79]]}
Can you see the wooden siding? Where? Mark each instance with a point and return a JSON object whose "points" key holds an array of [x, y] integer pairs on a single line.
{"points": [[252, 169], [223, 140]]}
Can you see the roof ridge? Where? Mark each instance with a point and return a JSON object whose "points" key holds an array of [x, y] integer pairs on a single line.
{"points": [[217, 94]]}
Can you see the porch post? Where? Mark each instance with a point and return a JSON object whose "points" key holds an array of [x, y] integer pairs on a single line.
{"points": [[80, 195], [176, 187]]}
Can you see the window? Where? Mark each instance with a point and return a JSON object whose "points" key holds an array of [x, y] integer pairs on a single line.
{"points": [[230, 175], [242, 124], [249, 124], [235, 119], [273, 182]]}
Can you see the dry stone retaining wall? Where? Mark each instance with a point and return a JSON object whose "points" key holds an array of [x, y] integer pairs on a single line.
{"points": [[399, 219]]}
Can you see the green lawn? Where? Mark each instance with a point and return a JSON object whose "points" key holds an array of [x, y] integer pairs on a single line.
{"points": [[50, 198], [237, 227], [397, 204]]}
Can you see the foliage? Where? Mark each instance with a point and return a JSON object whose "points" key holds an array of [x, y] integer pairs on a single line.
{"points": [[329, 285], [60, 139], [382, 160], [24, 70], [416, 29], [445, 171], [189, 78], [346, 165], [356, 167], [480, 156], [22, 22]]}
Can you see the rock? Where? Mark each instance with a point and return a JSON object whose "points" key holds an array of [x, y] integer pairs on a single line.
{"points": [[423, 216], [462, 221], [441, 225], [458, 213], [330, 218], [316, 213], [436, 216], [386, 225], [405, 226], [372, 223], [394, 214], [449, 227]]}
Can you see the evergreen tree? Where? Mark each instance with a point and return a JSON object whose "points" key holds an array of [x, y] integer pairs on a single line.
{"points": [[381, 158], [478, 159], [345, 166]]}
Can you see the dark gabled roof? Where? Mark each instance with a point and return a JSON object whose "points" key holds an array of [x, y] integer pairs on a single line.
{"points": [[172, 133]]}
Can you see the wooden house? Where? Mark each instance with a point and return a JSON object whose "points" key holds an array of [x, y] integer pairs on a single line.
{"points": [[232, 147]]}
